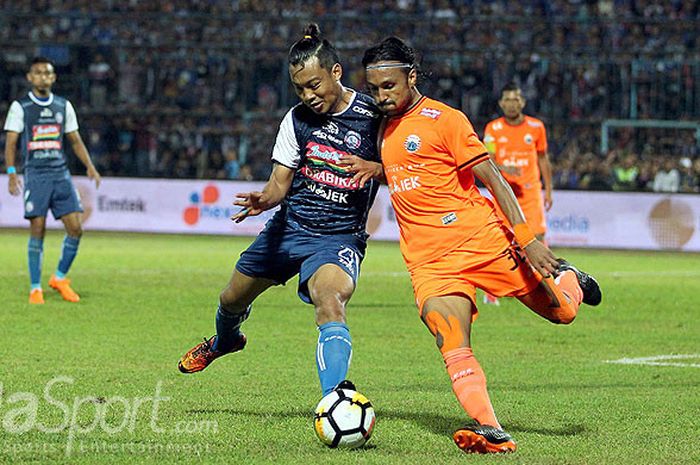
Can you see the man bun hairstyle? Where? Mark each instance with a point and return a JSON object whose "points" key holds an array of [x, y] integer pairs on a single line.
{"points": [[313, 45]]}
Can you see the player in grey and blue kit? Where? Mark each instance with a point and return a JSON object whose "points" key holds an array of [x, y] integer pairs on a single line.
{"points": [[40, 121], [319, 231]]}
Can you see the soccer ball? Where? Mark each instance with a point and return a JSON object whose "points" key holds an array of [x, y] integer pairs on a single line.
{"points": [[345, 419]]}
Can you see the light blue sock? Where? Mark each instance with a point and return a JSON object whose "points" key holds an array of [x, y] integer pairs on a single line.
{"points": [[68, 253], [228, 328], [35, 254], [333, 354]]}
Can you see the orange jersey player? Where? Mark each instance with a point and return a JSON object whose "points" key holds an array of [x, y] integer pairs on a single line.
{"points": [[452, 239], [517, 144]]}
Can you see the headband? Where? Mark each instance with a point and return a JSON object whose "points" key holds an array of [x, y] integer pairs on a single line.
{"points": [[308, 37], [390, 65]]}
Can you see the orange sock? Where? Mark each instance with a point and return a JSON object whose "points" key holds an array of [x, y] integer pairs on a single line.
{"points": [[469, 385]]}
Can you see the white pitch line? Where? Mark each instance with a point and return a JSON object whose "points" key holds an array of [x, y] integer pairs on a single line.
{"points": [[659, 360]]}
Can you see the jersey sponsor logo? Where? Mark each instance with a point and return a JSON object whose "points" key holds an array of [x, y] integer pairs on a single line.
{"points": [[46, 131], [397, 186], [364, 111], [353, 140], [328, 194], [534, 124], [44, 145], [331, 127], [329, 178], [431, 113], [412, 143], [528, 138], [503, 140], [497, 126], [323, 155], [46, 113], [321, 134]]}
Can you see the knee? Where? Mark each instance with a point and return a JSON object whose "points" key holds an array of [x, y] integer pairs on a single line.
{"points": [[75, 232], [330, 313]]}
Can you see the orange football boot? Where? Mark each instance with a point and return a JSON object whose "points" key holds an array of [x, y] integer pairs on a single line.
{"points": [[63, 288], [36, 296], [201, 355], [484, 439]]}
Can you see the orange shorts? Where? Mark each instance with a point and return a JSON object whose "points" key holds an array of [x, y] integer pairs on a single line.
{"points": [[490, 261], [532, 206]]}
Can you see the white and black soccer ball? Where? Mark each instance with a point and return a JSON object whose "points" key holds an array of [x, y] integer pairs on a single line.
{"points": [[344, 419]]}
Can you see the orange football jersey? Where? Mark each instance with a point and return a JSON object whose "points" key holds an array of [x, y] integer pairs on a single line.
{"points": [[518, 146], [427, 154]]}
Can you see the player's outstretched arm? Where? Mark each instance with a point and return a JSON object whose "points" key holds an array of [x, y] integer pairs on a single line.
{"points": [[254, 203], [82, 153], [539, 255], [14, 184], [363, 170]]}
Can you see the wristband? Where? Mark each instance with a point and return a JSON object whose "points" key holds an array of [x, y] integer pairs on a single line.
{"points": [[523, 235], [11, 170]]}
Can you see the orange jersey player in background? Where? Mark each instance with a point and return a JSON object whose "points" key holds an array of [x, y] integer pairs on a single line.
{"points": [[517, 144], [452, 240]]}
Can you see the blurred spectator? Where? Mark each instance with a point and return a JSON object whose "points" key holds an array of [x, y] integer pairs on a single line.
{"points": [[667, 179], [171, 88], [626, 174]]}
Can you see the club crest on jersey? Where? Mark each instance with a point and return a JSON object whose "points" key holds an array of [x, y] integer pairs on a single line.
{"points": [[59, 117], [528, 138], [352, 140], [412, 143]]}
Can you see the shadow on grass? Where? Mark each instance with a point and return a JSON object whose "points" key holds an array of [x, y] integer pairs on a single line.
{"points": [[434, 422]]}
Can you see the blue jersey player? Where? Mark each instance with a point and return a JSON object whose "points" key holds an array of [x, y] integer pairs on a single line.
{"points": [[319, 230], [41, 121]]}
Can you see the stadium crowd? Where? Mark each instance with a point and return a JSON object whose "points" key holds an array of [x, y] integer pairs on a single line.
{"points": [[194, 88]]}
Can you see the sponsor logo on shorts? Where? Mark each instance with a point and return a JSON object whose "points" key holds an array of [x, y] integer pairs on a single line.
{"points": [[449, 218], [348, 258]]}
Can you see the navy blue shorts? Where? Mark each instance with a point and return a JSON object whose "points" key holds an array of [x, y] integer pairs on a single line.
{"points": [[282, 251], [42, 193]]}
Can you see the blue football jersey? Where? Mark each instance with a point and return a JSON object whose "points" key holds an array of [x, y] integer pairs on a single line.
{"points": [[42, 125], [323, 197]]}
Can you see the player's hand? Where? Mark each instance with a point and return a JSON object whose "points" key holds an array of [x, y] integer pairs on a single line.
{"points": [[251, 203], [95, 176], [548, 201], [14, 185], [541, 258], [363, 170]]}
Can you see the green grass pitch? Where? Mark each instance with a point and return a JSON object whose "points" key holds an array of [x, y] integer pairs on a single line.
{"points": [[78, 381]]}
